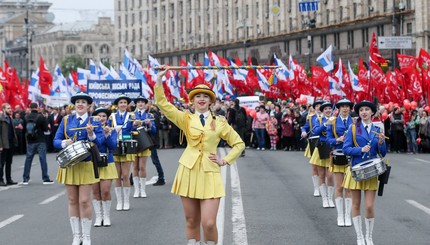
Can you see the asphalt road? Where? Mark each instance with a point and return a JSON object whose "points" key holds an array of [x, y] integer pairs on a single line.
{"points": [[269, 201]]}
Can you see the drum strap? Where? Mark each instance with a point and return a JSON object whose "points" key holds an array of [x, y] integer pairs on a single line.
{"points": [[354, 135], [66, 118], [334, 129]]}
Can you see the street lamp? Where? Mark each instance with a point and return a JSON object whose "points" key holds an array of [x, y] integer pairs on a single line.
{"points": [[28, 27], [246, 43]]}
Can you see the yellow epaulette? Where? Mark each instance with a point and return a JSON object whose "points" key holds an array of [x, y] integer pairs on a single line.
{"points": [[334, 129], [354, 135]]}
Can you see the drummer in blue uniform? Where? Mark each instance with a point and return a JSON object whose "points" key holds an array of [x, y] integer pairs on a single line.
{"points": [[336, 131], [79, 177], [146, 120], [365, 145], [323, 161], [123, 124], [101, 191], [307, 131]]}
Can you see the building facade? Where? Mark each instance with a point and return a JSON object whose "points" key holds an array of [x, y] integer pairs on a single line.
{"points": [[90, 40], [173, 29]]}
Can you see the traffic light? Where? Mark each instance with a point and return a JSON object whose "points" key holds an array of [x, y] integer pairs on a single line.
{"points": [[312, 23]]}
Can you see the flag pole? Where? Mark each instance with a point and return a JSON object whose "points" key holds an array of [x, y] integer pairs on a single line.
{"points": [[217, 67]]}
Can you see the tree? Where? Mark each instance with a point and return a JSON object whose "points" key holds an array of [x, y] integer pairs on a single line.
{"points": [[71, 63]]}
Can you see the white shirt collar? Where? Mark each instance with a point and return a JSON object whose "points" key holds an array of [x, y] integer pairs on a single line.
{"points": [[205, 114], [84, 117], [344, 118], [370, 125], [122, 114]]}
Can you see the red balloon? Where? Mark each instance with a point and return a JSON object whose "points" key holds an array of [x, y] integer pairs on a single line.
{"points": [[427, 109], [414, 105], [252, 113], [407, 106], [384, 116], [298, 101], [406, 101], [248, 110], [391, 104], [227, 97], [386, 106], [396, 105], [304, 100], [291, 104]]}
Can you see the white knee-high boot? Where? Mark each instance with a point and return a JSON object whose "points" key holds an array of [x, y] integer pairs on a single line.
{"points": [[340, 214], [136, 186], [323, 191], [210, 243], [330, 193], [119, 203], [369, 230], [142, 187], [315, 181], [97, 205], [348, 208], [126, 198], [358, 230], [86, 231], [106, 212], [193, 242], [76, 230]]}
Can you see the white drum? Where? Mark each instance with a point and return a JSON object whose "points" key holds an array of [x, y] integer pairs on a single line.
{"points": [[369, 169]]}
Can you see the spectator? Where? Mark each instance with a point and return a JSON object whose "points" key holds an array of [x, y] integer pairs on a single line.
{"points": [[272, 130], [18, 124], [411, 132], [237, 119], [298, 122], [259, 126], [397, 121], [8, 142], [54, 120], [288, 130]]}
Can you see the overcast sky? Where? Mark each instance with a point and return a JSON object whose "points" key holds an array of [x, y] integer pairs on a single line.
{"points": [[67, 11]]}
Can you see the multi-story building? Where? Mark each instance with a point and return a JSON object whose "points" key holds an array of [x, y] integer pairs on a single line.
{"points": [[174, 29], [90, 40], [19, 20]]}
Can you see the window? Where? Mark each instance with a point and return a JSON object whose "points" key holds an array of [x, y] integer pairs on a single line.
{"points": [[408, 29], [104, 49], [337, 40], [350, 39], [87, 62], [119, 21], [327, 16], [354, 8], [365, 37], [385, 5], [299, 46], [133, 35], [71, 49], [126, 36], [119, 36], [88, 49], [132, 19], [323, 43], [257, 10], [119, 5], [126, 20], [140, 33], [340, 13]]}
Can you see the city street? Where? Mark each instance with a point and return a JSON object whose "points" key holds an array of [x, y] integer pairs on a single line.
{"points": [[269, 201]]}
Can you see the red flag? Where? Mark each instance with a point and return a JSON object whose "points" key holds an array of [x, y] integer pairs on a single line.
{"points": [[374, 54], [377, 80], [406, 61], [45, 78], [424, 59], [184, 72], [320, 81]]}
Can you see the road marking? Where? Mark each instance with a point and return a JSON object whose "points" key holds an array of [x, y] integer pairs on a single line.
{"points": [[46, 201], [221, 210], [10, 220], [421, 160], [238, 215], [10, 187], [419, 206]]}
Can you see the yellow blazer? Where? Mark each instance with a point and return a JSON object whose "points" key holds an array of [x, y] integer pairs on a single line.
{"points": [[201, 140]]}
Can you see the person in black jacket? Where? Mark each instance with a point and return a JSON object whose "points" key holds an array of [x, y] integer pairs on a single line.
{"points": [[237, 118], [36, 143]]}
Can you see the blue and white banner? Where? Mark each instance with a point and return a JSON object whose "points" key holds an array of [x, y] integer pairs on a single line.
{"points": [[104, 92]]}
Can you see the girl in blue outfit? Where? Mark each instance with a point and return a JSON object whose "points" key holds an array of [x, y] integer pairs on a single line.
{"points": [[79, 177], [101, 191], [146, 120], [326, 187], [364, 146], [336, 131], [123, 124]]}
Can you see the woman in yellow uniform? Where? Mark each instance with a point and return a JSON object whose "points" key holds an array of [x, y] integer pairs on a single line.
{"points": [[362, 144], [101, 191], [198, 179], [146, 120], [79, 177]]}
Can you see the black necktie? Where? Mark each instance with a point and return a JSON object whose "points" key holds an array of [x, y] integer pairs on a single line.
{"points": [[79, 119], [344, 122], [367, 127], [140, 114], [121, 116], [202, 119]]}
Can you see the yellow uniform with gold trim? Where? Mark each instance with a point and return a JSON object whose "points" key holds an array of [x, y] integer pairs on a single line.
{"points": [[197, 176]]}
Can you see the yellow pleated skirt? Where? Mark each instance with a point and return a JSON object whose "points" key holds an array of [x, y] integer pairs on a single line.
{"points": [[126, 158], [145, 153], [337, 168], [308, 151], [195, 183], [79, 174], [315, 159], [108, 172], [365, 185]]}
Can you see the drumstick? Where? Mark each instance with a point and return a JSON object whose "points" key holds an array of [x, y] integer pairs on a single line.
{"points": [[381, 135], [81, 128]]}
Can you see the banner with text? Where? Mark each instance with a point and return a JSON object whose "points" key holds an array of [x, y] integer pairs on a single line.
{"points": [[104, 92]]}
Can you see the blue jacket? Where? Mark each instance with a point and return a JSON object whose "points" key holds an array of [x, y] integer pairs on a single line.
{"points": [[144, 116], [80, 134], [340, 130], [363, 138], [320, 129], [128, 127], [109, 143]]}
